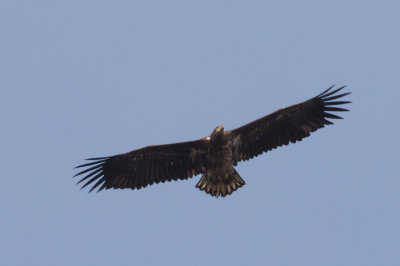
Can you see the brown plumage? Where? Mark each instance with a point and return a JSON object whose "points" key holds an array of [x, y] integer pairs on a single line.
{"points": [[214, 156]]}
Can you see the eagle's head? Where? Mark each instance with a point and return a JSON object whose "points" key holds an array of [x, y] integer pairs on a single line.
{"points": [[218, 131]]}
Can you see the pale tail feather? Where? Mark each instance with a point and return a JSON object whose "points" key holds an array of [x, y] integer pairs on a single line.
{"points": [[220, 187]]}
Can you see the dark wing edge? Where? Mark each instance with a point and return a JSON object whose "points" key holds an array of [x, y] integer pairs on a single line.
{"points": [[146, 166], [287, 125]]}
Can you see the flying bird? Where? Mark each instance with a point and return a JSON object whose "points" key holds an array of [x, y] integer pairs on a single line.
{"points": [[216, 155]]}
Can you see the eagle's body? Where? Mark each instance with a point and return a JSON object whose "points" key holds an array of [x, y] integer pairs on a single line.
{"points": [[220, 178], [216, 155]]}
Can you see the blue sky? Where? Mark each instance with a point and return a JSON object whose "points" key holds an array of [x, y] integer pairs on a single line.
{"points": [[84, 79]]}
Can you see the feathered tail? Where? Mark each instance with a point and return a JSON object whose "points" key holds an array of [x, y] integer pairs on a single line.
{"points": [[220, 186]]}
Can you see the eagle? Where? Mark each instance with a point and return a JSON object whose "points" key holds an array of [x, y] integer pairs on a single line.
{"points": [[216, 155]]}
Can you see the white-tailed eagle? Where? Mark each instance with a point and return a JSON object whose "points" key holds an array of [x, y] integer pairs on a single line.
{"points": [[216, 155]]}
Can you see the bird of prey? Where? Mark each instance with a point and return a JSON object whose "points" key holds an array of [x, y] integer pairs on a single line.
{"points": [[216, 155]]}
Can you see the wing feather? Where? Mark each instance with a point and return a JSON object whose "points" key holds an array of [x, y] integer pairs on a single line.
{"points": [[286, 125], [146, 166]]}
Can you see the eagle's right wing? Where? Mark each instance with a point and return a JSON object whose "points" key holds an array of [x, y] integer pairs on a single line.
{"points": [[286, 125], [152, 164]]}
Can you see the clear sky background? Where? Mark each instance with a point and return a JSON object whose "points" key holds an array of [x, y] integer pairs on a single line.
{"points": [[83, 79]]}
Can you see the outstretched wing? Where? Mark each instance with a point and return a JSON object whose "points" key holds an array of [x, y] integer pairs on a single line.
{"points": [[152, 164], [286, 125]]}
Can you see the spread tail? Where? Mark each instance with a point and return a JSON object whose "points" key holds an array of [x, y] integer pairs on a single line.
{"points": [[220, 186]]}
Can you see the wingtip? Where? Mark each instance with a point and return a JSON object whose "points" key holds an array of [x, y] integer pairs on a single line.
{"points": [[98, 158], [331, 97], [97, 162], [327, 90]]}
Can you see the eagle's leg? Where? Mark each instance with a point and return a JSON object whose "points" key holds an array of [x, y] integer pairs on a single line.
{"points": [[220, 185]]}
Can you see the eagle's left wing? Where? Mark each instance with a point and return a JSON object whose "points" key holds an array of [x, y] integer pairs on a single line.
{"points": [[152, 164], [286, 125]]}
